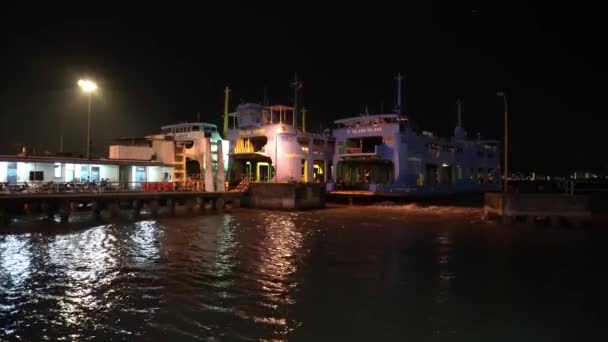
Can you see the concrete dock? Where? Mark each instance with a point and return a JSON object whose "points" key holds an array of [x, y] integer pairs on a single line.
{"points": [[285, 196], [530, 207]]}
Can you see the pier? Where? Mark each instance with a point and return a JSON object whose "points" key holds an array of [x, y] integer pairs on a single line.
{"points": [[529, 207], [64, 204]]}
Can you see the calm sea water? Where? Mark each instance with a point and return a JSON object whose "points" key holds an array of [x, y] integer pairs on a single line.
{"points": [[341, 274]]}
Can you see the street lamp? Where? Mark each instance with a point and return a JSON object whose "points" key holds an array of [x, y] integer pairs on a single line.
{"points": [[506, 138], [88, 87]]}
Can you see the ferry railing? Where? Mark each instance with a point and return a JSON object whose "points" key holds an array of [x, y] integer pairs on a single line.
{"points": [[584, 186], [24, 188]]}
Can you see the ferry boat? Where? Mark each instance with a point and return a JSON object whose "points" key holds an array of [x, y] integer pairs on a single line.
{"points": [[383, 153], [268, 143]]}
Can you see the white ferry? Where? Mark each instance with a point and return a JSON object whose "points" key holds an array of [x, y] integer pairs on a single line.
{"points": [[269, 143], [382, 153]]}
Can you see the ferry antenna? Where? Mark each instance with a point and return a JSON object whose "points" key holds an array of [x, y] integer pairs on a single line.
{"points": [[296, 85], [399, 107], [459, 103]]}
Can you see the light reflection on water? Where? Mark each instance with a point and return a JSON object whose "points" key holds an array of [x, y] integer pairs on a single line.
{"points": [[352, 273]]}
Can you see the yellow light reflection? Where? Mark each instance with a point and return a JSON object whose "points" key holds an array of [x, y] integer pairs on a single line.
{"points": [[281, 243]]}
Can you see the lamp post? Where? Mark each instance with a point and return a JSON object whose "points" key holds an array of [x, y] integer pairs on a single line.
{"points": [[88, 87], [276, 148], [506, 138]]}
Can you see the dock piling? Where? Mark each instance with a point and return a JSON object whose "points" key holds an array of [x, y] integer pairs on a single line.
{"points": [[171, 206], [135, 209], [219, 203], [114, 209], [154, 206], [96, 213], [64, 212]]}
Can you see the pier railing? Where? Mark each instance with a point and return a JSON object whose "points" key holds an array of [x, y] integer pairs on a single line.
{"points": [[93, 187]]}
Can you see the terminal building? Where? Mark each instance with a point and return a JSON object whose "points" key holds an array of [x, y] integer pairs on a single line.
{"points": [[195, 151], [127, 174]]}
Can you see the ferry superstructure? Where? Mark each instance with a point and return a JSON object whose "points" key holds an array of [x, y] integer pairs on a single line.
{"points": [[383, 153], [268, 144]]}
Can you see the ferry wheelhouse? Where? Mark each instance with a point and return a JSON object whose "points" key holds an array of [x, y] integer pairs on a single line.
{"points": [[267, 144], [382, 153]]}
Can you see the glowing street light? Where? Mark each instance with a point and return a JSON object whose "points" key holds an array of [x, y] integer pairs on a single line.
{"points": [[88, 87]]}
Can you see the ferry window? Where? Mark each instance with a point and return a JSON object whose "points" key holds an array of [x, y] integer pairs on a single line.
{"points": [[331, 145], [36, 175], [57, 170], [480, 176], [196, 128], [303, 141], [402, 125]]}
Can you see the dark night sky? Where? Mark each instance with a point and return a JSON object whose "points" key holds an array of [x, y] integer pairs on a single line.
{"points": [[158, 66]]}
